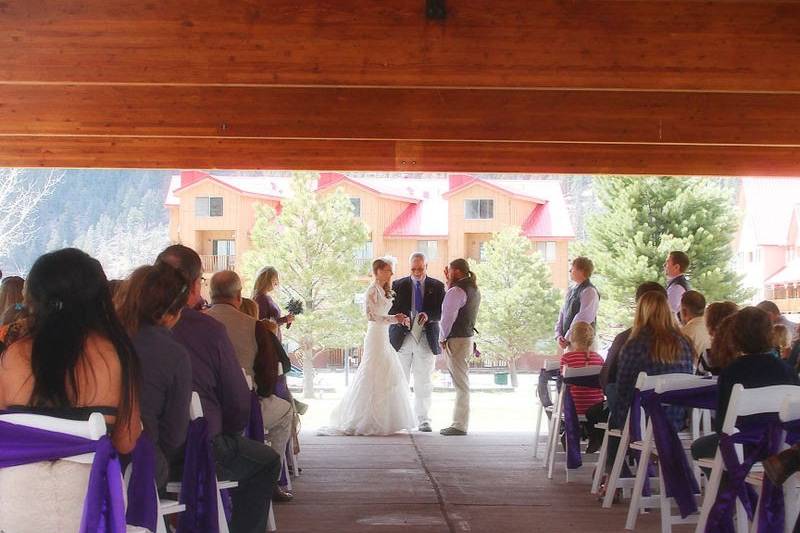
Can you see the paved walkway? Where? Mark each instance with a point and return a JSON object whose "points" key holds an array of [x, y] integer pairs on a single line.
{"points": [[484, 482]]}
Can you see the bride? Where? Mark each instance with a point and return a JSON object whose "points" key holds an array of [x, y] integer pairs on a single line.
{"points": [[377, 402]]}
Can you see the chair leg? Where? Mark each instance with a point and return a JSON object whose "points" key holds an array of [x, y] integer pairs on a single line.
{"points": [[554, 437], [712, 488], [537, 432], [286, 473], [293, 457], [665, 504], [616, 470], [601, 464], [635, 506], [271, 520], [221, 520]]}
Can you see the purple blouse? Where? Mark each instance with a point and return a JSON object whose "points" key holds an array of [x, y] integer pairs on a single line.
{"points": [[268, 309]]}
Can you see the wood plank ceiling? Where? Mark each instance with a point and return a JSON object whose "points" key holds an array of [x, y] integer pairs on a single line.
{"points": [[614, 86]]}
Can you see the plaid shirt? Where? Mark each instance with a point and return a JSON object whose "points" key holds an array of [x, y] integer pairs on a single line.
{"points": [[635, 358]]}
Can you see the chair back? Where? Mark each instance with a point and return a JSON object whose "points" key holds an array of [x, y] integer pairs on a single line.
{"points": [[195, 408], [92, 429], [580, 372], [760, 400], [248, 378], [551, 364], [790, 409], [672, 382]]}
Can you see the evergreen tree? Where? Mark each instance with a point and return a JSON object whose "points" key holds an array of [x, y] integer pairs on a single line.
{"points": [[519, 304], [642, 219], [313, 244]]}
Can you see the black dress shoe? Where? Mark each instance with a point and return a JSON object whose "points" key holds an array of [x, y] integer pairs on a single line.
{"points": [[281, 496], [425, 427], [451, 431]]}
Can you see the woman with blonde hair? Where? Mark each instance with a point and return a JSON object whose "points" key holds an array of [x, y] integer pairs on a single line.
{"points": [[267, 281], [588, 400], [377, 402]]}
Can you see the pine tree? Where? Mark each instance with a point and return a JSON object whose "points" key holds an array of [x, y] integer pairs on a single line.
{"points": [[519, 304], [313, 244], [642, 219]]}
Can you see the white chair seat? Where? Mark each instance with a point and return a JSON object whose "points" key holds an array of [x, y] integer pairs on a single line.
{"points": [[601, 425], [175, 486], [170, 507]]}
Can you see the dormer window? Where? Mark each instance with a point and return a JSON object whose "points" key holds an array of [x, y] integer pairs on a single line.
{"points": [[478, 209]]}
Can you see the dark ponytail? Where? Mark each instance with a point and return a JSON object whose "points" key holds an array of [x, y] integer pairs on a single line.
{"points": [[68, 293], [469, 276]]}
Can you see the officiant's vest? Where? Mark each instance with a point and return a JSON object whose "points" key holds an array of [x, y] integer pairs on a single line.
{"points": [[464, 326], [572, 306]]}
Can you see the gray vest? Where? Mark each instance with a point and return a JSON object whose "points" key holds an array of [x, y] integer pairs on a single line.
{"points": [[571, 306], [464, 326]]}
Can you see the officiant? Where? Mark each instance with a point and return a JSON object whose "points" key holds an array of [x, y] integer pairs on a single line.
{"points": [[420, 297]]}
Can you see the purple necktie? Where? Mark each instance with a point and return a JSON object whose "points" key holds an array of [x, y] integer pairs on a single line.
{"points": [[417, 296]]}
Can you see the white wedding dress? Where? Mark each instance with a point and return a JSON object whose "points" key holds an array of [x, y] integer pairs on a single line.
{"points": [[377, 402]]}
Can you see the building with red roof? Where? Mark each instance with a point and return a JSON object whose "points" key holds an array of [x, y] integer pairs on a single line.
{"points": [[445, 218]]}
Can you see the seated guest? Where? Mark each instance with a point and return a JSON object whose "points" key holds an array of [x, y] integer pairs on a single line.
{"points": [[75, 360], [217, 378], [714, 316], [775, 315], [781, 340], [149, 304], [249, 307], [11, 306], [579, 355], [757, 366], [693, 308], [608, 376], [723, 350], [255, 352], [656, 346]]}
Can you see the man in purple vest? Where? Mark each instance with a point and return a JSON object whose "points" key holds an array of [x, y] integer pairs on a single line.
{"points": [[580, 303]]}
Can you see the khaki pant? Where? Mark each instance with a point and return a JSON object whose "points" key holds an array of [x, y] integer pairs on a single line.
{"points": [[278, 415], [458, 351]]}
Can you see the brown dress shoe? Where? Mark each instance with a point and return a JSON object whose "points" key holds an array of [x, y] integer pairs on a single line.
{"points": [[779, 467], [281, 496]]}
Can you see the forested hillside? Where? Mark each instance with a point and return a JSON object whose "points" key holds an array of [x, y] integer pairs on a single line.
{"points": [[117, 216]]}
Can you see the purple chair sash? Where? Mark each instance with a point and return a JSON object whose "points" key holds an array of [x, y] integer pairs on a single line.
{"points": [[761, 441], [104, 506], [255, 424], [142, 498], [571, 424], [199, 487], [679, 480]]}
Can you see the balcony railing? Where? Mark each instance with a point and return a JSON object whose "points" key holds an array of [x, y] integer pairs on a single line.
{"points": [[216, 263]]}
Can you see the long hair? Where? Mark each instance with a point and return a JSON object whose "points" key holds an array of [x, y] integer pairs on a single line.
{"points": [[150, 294], [69, 298], [723, 349], [264, 281], [380, 264], [11, 292], [654, 319], [469, 276]]}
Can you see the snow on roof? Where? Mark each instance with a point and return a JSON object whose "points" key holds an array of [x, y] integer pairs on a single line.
{"points": [[771, 203], [550, 220], [425, 218]]}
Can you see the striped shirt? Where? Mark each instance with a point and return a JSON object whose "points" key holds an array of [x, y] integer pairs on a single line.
{"points": [[584, 397]]}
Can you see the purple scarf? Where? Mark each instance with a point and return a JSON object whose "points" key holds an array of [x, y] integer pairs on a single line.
{"points": [[104, 506]]}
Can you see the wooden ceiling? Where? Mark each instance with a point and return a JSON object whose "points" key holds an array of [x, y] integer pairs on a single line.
{"points": [[615, 86]]}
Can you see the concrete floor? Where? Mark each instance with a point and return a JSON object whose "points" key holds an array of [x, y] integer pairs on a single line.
{"points": [[484, 482]]}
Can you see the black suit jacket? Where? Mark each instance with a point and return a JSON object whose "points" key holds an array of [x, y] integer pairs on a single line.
{"points": [[431, 305]]}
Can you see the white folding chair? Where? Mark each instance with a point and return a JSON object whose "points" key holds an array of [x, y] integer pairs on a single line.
{"points": [[566, 372], [743, 402], [271, 518], [549, 366], [640, 503], [790, 412], [615, 481]]}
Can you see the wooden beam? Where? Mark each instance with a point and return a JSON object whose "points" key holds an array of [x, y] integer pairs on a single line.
{"points": [[402, 114], [176, 153], [679, 44]]}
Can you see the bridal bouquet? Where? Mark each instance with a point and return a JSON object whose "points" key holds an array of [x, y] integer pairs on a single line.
{"points": [[295, 307]]}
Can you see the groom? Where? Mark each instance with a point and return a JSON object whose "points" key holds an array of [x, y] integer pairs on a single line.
{"points": [[419, 297]]}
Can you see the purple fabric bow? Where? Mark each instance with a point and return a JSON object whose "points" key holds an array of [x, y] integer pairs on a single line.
{"points": [[142, 498], [255, 424], [199, 484], [571, 424], [104, 506], [760, 441], [679, 480]]}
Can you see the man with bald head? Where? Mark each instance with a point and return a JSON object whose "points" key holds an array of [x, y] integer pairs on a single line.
{"points": [[256, 355]]}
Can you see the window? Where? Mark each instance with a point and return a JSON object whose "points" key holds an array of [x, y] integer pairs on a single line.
{"points": [[356, 203], [364, 253], [478, 209], [205, 206], [429, 248], [548, 250], [223, 247], [482, 250]]}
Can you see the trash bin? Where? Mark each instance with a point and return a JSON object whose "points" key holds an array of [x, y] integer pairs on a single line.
{"points": [[501, 378]]}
